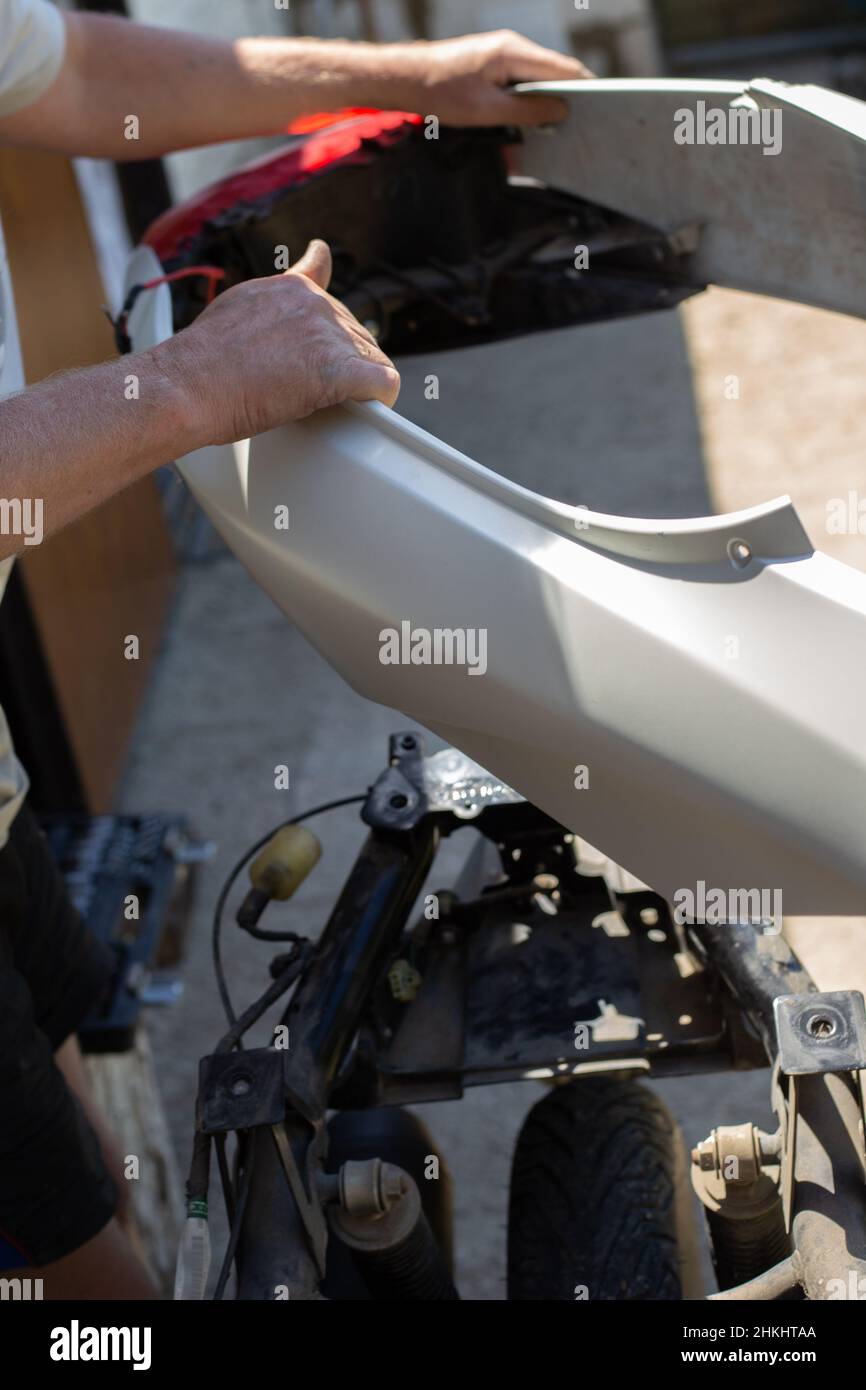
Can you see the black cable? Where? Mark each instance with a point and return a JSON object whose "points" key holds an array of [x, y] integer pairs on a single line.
{"points": [[236, 1193], [225, 1177], [198, 1178], [229, 884], [284, 980], [234, 1236]]}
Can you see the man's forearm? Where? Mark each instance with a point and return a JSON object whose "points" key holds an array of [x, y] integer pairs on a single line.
{"points": [[268, 351], [188, 89], [74, 440]]}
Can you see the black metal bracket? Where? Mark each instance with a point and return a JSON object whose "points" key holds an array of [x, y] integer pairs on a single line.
{"points": [[240, 1090], [821, 1032], [308, 1202], [397, 799], [816, 1034]]}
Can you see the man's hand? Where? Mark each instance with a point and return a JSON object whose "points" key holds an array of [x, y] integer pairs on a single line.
{"points": [[273, 350], [194, 89], [265, 352], [465, 81]]}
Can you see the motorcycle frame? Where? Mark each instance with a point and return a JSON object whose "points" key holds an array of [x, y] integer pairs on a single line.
{"points": [[336, 1061]]}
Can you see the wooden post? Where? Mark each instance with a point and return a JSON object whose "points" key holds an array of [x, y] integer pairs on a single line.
{"points": [[111, 573], [124, 1086]]}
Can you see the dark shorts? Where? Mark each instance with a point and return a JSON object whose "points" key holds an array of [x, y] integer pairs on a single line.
{"points": [[55, 1191]]}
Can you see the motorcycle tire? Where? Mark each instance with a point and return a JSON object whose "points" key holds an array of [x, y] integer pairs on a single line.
{"points": [[593, 1210]]}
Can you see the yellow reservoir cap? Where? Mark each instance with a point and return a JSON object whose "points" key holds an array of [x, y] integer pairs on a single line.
{"points": [[281, 867]]}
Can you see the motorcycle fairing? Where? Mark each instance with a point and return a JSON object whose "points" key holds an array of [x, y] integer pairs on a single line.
{"points": [[789, 225], [686, 695]]}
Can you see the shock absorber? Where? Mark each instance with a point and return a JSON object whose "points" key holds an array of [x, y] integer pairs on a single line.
{"points": [[375, 1209], [735, 1173]]}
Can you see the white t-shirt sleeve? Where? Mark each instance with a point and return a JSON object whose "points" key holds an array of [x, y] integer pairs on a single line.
{"points": [[32, 40]]}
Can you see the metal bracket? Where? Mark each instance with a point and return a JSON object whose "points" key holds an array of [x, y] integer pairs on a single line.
{"points": [[397, 799], [309, 1206], [239, 1090], [816, 1034], [821, 1032], [455, 783], [788, 1123]]}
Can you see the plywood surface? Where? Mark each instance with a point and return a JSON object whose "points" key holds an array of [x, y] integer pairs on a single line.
{"points": [[110, 574]]}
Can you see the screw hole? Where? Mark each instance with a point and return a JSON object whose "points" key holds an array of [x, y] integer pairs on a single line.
{"points": [[398, 801], [739, 553], [820, 1026]]}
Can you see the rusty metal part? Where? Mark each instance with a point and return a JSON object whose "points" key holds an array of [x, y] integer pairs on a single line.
{"points": [[818, 1094], [745, 1145], [757, 967], [735, 1173], [779, 1283], [821, 1032], [369, 1187], [381, 1219], [829, 1196]]}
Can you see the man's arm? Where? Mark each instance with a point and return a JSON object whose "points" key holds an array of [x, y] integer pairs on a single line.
{"points": [[265, 352], [190, 89]]}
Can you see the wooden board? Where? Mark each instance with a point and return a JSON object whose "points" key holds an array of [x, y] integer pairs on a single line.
{"points": [[111, 573], [124, 1086]]}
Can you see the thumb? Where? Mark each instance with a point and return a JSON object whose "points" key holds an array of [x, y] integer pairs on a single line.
{"points": [[315, 264]]}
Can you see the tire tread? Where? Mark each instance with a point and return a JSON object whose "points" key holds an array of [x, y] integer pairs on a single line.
{"points": [[593, 1195]]}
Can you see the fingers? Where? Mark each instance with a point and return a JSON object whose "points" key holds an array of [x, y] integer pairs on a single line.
{"points": [[529, 62], [372, 381], [372, 375], [482, 94], [526, 109], [315, 264], [367, 379]]}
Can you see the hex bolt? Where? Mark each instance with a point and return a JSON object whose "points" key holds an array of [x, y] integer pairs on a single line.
{"points": [[705, 1156], [369, 1187], [744, 1143]]}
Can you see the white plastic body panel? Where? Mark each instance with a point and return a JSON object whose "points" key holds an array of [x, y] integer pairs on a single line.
{"points": [[789, 225], [715, 694]]}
